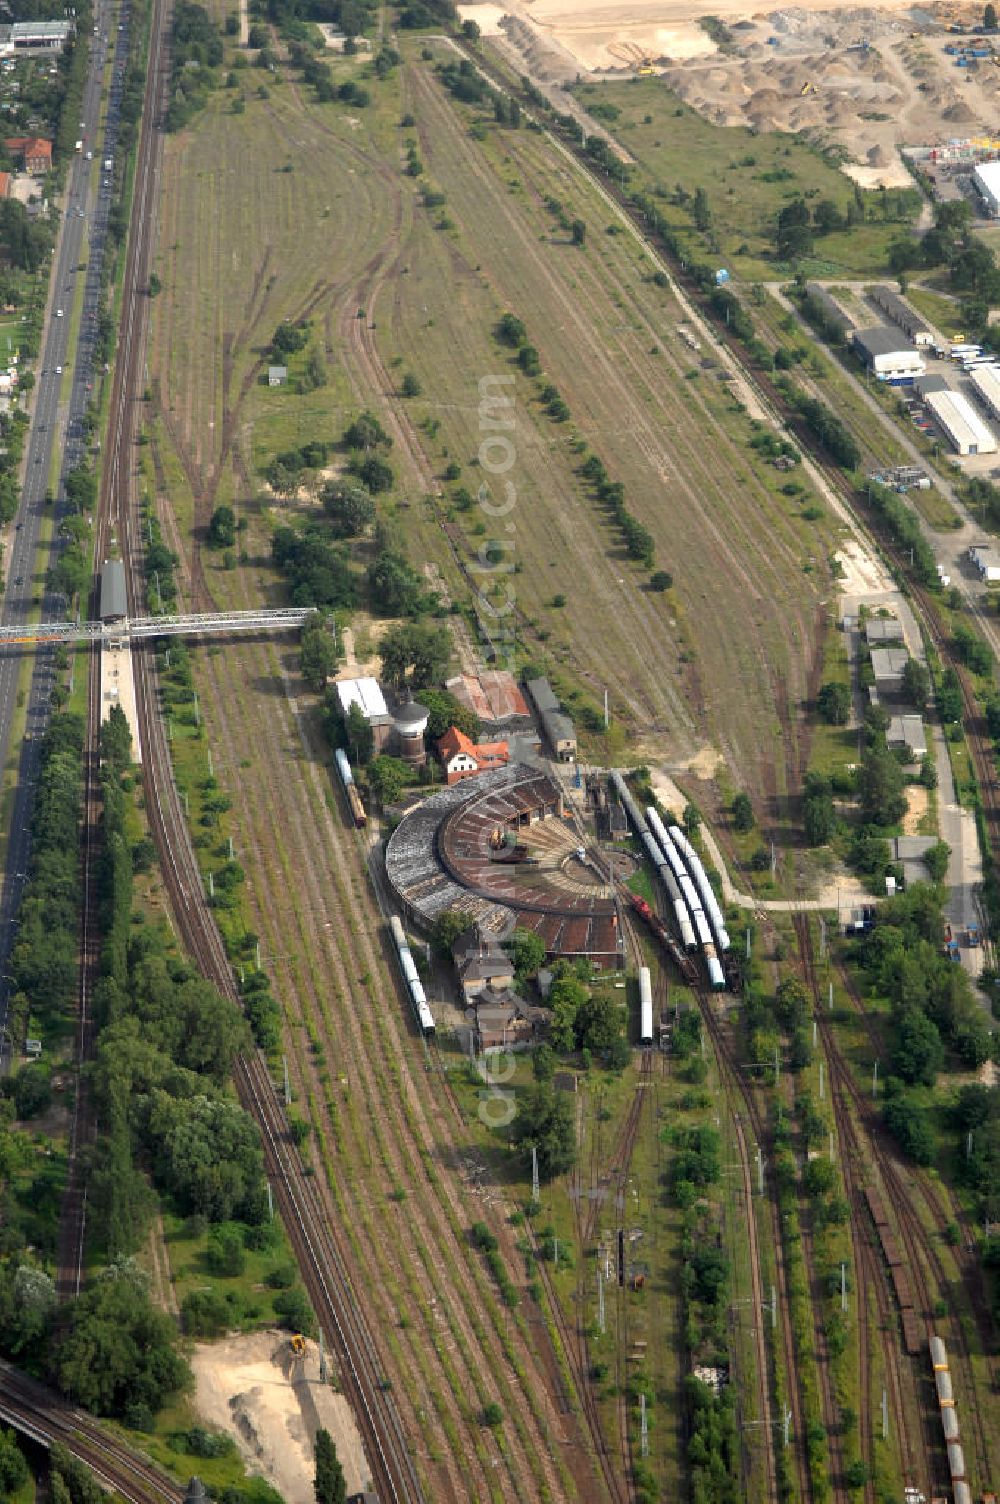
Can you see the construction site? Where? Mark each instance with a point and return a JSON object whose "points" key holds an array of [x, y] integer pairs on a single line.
{"points": [[865, 81]]}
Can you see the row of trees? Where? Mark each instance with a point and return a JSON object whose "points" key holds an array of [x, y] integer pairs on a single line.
{"points": [[195, 55]]}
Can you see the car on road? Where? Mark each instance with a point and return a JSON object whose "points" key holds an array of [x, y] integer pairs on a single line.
{"points": [[58, 370], [19, 580], [59, 313]]}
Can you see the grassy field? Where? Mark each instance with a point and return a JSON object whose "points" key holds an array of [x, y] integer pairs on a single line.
{"points": [[748, 178], [296, 210]]}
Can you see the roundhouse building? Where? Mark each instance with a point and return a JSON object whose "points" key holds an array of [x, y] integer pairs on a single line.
{"points": [[439, 858]]}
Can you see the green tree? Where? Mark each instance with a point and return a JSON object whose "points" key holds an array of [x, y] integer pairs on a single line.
{"points": [[566, 996], [115, 1354], [544, 1121], [916, 683], [328, 1485], [446, 929], [419, 650], [360, 737], [880, 786], [700, 211], [116, 740], [660, 581], [411, 386], [919, 1053], [692, 819], [366, 433], [527, 951], [374, 472], [743, 817], [349, 506], [578, 230], [599, 1022], [444, 711], [990, 17], [13, 1468], [511, 331], [222, 528], [387, 778], [318, 651], [936, 859], [225, 1253], [834, 703], [909, 1124]]}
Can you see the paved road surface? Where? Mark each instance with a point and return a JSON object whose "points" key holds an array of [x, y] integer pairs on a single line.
{"points": [[60, 400]]}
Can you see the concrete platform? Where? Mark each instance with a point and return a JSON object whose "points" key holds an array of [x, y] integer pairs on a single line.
{"points": [[118, 688]]}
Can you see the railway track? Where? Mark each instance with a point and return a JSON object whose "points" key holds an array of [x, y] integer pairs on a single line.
{"points": [[924, 1261], [49, 1420], [320, 1258]]}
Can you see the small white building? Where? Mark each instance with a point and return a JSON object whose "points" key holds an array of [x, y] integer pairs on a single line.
{"points": [[987, 180], [963, 426], [368, 697], [987, 562], [887, 355]]}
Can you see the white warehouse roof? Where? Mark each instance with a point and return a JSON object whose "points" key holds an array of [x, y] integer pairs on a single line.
{"points": [[365, 693], [986, 381], [987, 180], [961, 423]]}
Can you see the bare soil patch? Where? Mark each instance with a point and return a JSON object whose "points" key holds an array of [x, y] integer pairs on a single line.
{"points": [[272, 1404]]}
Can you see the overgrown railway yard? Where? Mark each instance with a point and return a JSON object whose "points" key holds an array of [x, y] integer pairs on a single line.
{"points": [[765, 1191]]}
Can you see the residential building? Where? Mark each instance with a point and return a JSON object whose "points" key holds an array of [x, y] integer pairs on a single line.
{"points": [[557, 726], [368, 697], [887, 666], [34, 152], [480, 963], [962, 425], [908, 731], [506, 1021], [461, 757], [887, 356]]}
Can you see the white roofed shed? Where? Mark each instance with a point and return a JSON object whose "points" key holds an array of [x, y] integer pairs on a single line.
{"points": [[961, 423]]}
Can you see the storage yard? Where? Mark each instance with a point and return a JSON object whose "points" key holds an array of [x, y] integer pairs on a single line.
{"points": [[870, 81]]}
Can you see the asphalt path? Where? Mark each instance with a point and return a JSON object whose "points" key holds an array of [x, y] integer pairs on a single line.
{"points": [[60, 402]]}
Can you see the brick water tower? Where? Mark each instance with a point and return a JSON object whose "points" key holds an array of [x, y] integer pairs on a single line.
{"points": [[409, 722]]}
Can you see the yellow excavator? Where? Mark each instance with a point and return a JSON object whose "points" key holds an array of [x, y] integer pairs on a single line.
{"points": [[298, 1344]]}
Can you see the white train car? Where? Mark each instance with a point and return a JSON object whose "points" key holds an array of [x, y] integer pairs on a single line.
{"points": [[705, 890], [645, 1006], [414, 986]]}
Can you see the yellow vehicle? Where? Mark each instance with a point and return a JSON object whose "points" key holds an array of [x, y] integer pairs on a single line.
{"points": [[298, 1344], [807, 87]]}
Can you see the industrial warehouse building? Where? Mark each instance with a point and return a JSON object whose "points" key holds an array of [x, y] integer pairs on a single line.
{"points": [[986, 382], [908, 731], [899, 312], [831, 308], [882, 629], [887, 666], [887, 356], [368, 697], [987, 562], [557, 726], [963, 426], [987, 180]]}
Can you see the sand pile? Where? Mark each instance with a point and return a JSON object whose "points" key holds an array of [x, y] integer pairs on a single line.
{"points": [[959, 111], [272, 1406]]}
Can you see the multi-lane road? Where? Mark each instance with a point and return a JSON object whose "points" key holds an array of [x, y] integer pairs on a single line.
{"points": [[60, 401]]}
